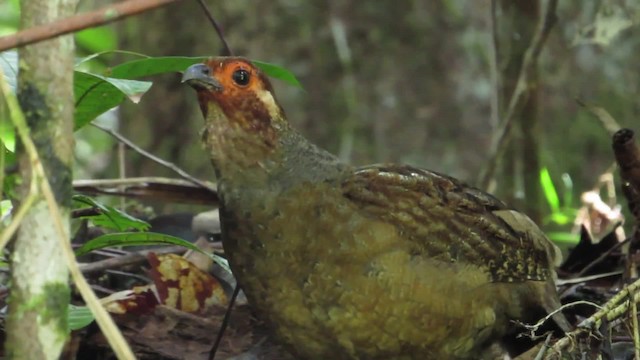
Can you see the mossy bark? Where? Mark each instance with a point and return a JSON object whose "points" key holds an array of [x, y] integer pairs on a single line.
{"points": [[37, 323]]}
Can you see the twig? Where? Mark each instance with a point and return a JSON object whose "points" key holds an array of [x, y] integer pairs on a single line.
{"points": [[609, 123], [610, 311], [602, 257], [126, 260], [153, 158], [634, 321], [81, 21], [19, 215], [225, 323], [533, 328], [520, 94], [226, 50], [577, 280], [544, 348], [104, 320], [494, 65]]}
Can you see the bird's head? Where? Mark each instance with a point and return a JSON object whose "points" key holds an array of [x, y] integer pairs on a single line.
{"points": [[236, 97]]}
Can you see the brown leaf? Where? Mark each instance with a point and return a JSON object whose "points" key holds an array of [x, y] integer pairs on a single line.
{"points": [[182, 285]]}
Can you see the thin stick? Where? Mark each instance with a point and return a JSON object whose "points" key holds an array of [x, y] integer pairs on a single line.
{"points": [[225, 323], [602, 257], [126, 260], [520, 94], [226, 50], [81, 21], [152, 157], [636, 331]]}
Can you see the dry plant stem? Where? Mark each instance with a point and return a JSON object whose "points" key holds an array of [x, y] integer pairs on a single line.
{"points": [[520, 94], [26, 204], [544, 348], [154, 158], [579, 280], [612, 310], [81, 21], [602, 257], [126, 260], [133, 181], [636, 334], [227, 50], [495, 73], [108, 327], [609, 123]]}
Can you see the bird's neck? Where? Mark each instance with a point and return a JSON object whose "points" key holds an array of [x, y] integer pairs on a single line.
{"points": [[249, 165]]}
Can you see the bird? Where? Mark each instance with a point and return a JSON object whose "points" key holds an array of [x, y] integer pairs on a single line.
{"points": [[384, 261]]}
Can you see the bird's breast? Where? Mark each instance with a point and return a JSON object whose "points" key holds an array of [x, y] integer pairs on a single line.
{"points": [[346, 285]]}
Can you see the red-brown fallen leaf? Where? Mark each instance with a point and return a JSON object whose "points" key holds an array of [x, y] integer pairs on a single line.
{"points": [[181, 285], [139, 300]]}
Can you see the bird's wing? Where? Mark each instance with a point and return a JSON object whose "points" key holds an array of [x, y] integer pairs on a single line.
{"points": [[449, 221]]}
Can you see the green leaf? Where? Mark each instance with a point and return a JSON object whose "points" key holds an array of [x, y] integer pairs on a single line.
{"points": [[108, 52], [153, 66], [160, 65], [111, 217], [564, 237], [6, 206], [568, 190], [79, 317], [144, 239], [134, 239], [9, 65], [96, 94], [560, 218], [549, 190], [278, 72], [7, 133], [97, 39]]}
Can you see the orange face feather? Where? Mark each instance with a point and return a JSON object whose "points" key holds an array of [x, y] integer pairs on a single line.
{"points": [[240, 90]]}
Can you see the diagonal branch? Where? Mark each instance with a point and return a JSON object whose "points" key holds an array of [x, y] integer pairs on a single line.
{"points": [[154, 158], [226, 51], [520, 94], [80, 21]]}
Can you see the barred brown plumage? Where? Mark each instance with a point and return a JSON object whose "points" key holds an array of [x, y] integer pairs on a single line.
{"points": [[380, 262]]}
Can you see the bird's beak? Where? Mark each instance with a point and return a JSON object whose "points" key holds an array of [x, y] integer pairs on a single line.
{"points": [[199, 76]]}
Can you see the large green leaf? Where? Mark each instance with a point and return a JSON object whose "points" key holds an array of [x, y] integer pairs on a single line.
{"points": [[96, 94], [278, 72], [159, 65], [153, 66], [97, 39]]}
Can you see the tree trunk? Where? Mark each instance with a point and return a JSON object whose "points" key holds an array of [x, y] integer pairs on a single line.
{"points": [[37, 324]]}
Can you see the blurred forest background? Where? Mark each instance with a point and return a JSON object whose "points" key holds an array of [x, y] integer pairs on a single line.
{"points": [[417, 81]]}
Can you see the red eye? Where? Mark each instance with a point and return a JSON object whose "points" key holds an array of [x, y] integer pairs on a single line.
{"points": [[241, 77]]}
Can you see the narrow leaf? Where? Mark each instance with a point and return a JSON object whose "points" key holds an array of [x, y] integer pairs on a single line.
{"points": [[134, 239], [111, 217], [79, 317], [549, 190]]}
